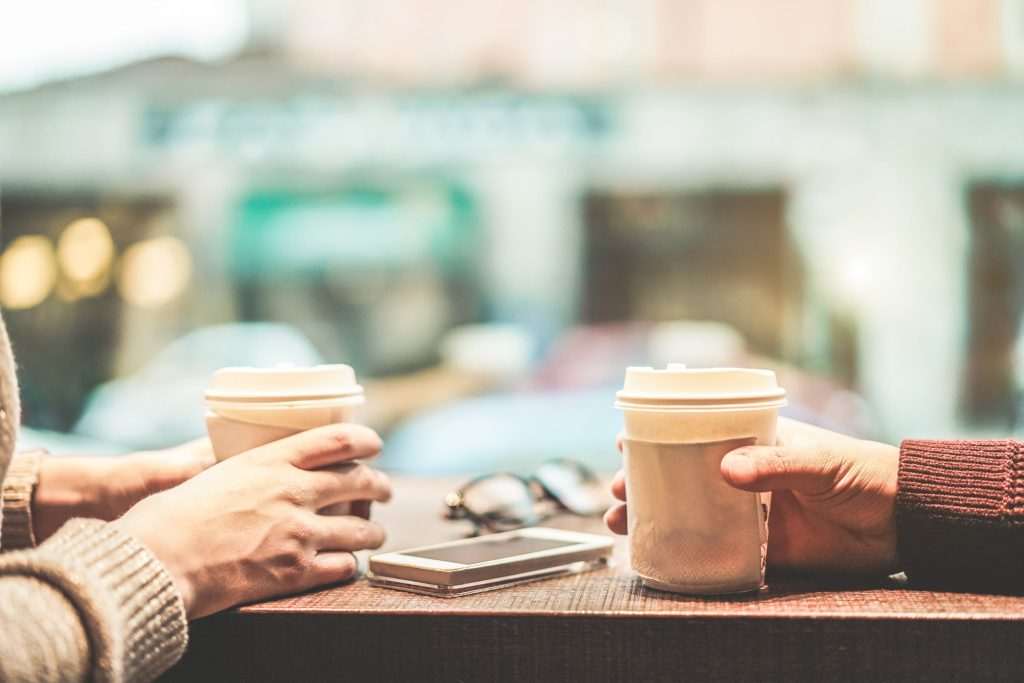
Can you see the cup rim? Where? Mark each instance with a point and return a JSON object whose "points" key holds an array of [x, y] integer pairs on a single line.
{"points": [[250, 402], [257, 396], [704, 405]]}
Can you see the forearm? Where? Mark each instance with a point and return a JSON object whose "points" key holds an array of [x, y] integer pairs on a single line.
{"points": [[73, 486], [41, 493], [960, 514], [105, 487], [90, 603]]}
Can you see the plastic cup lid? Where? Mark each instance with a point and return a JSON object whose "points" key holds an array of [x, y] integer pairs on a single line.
{"points": [[677, 387], [284, 383]]}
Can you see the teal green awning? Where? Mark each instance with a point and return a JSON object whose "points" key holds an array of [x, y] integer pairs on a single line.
{"points": [[354, 230]]}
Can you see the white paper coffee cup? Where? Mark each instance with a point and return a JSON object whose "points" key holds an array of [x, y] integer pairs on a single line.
{"points": [[690, 532], [251, 407]]}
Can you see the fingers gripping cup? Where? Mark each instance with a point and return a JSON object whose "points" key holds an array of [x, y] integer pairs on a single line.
{"points": [[690, 532]]}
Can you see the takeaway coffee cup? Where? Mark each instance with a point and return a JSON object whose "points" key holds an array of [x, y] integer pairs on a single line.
{"points": [[250, 407], [690, 532]]}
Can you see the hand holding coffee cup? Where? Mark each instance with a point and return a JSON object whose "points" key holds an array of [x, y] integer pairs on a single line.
{"points": [[833, 499], [250, 527]]}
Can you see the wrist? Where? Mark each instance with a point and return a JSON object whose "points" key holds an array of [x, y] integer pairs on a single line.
{"points": [[67, 488], [136, 524]]}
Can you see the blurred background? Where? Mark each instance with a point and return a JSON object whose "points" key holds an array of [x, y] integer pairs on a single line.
{"points": [[489, 209]]}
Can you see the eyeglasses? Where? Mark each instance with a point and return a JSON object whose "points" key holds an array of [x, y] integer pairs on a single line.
{"points": [[504, 501]]}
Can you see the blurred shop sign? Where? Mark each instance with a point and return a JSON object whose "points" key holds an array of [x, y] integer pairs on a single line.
{"points": [[374, 128]]}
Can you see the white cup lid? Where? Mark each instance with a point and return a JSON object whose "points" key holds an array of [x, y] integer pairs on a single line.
{"points": [[284, 383], [679, 387]]}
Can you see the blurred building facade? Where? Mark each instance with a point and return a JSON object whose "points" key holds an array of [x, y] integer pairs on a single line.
{"points": [[841, 181]]}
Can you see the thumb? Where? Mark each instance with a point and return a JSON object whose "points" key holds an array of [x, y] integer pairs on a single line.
{"points": [[770, 468], [200, 451]]}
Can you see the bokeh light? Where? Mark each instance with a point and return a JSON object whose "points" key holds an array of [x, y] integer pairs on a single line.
{"points": [[85, 254], [155, 272], [28, 272]]}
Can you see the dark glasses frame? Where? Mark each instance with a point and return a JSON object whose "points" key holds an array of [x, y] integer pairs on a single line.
{"points": [[547, 495]]}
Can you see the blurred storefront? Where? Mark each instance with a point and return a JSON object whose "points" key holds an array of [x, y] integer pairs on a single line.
{"points": [[840, 182]]}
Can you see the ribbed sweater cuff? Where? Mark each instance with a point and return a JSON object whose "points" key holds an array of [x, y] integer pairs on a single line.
{"points": [[130, 608], [960, 514], [19, 484]]}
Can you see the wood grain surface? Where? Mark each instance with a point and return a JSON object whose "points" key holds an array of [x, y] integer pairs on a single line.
{"points": [[604, 625]]}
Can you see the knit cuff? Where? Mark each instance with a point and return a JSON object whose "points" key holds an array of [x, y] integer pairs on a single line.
{"points": [[960, 514], [19, 485], [130, 609]]}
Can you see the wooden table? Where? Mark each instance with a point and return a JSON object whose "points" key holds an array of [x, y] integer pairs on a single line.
{"points": [[604, 625]]}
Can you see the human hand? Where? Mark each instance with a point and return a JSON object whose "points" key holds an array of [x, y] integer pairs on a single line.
{"points": [[105, 487], [833, 500], [248, 528]]}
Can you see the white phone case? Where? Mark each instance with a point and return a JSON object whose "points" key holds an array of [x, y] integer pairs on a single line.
{"points": [[405, 571]]}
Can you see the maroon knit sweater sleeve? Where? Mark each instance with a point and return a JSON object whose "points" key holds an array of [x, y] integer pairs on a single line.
{"points": [[960, 515]]}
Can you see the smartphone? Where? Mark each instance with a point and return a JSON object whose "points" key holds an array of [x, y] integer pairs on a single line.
{"points": [[488, 562]]}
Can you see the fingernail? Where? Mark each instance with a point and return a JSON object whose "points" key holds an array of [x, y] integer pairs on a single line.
{"points": [[739, 464]]}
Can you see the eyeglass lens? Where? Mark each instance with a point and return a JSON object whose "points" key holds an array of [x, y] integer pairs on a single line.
{"points": [[572, 485], [502, 501]]}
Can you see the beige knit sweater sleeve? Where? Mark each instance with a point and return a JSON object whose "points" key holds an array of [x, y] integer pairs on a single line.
{"points": [[16, 501], [90, 603]]}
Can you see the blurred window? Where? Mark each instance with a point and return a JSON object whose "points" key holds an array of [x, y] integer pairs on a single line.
{"points": [[719, 255], [996, 300]]}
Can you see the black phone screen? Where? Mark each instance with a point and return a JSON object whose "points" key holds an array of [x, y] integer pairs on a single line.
{"points": [[486, 550]]}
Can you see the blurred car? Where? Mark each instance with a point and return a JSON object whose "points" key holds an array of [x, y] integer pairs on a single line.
{"points": [[162, 404]]}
